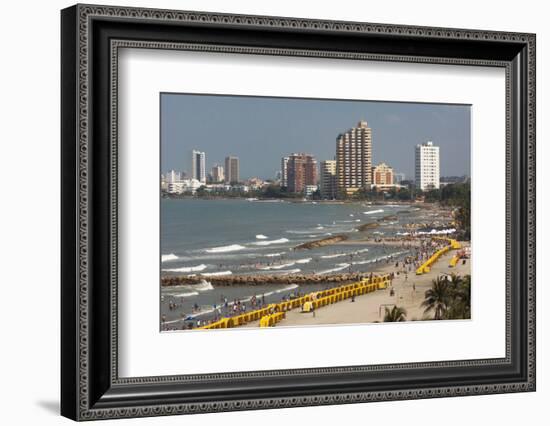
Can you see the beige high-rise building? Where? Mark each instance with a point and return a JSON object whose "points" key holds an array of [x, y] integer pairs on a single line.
{"points": [[217, 173], [354, 159], [382, 175], [231, 169], [327, 179]]}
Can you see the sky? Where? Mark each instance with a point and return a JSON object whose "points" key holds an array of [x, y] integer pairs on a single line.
{"points": [[261, 130]]}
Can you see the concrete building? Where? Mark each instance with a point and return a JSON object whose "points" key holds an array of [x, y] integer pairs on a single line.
{"points": [[217, 173], [427, 166], [284, 172], [327, 179], [232, 169], [198, 166], [301, 172], [310, 189], [382, 175], [172, 176], [398, 177], [354, 159]]}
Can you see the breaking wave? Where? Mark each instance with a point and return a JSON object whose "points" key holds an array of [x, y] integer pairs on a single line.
{"points": [[225, 249], [169, 257], [197, 268], [269, 242]]}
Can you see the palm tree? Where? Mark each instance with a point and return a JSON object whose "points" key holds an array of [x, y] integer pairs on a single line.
{"points": [[395, 314], [438, 298], [460, 308]]}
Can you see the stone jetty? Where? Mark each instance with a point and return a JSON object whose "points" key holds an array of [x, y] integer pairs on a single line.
{"points": [[322, 242], [228, 280], [367, 226]]}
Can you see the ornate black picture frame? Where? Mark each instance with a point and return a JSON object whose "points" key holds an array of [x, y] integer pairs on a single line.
{"points": [[91, 37]]}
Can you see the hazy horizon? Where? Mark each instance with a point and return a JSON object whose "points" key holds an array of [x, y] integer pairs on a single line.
{"points": [[261, 130]]}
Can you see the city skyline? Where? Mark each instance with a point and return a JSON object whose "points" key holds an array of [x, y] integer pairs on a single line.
{"points": [[260, 131]]}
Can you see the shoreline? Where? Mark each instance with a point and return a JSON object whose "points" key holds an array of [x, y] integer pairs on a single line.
{"points": [[369, 308], [420, 204]]}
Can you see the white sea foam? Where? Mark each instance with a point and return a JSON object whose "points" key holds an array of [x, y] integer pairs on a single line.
{"points": [[281, 290], [374, 211], [377, 259], [225, 249], [281, 266], [184, 294], [437, 232], [340, 267], [302, 261], [275, 254], [332, 256], [269, 242], [216, 274], [261, 237], [169, 257], [196, 268]]}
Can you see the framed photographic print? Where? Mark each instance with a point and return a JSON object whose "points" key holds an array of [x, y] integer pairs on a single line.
{"points": [[263, 212]]}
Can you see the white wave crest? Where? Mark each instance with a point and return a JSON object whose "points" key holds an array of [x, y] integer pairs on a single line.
{"points": [[225, 249], [340, 267], [169, 257], [281, 290], [261, 237], [268, 243], [197, 268], [374, 211], [302, 261], [332, 256], [281, 266], [184, 294], [437, 232], [275, 254]]}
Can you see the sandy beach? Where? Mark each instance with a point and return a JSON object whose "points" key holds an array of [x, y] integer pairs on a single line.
{"points": [[369, 308]]}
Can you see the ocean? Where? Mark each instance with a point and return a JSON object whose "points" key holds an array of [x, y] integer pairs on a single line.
{"points": [[239, 236]]}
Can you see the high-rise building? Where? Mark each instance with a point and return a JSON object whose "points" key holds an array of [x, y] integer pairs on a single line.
{"points": [[172, 176], [284, 172], [354, 159], [398, 177], [427, 166], [231, 169], [301, 172], [382, 175], [327, 179], [217, 173], [198, 166]]}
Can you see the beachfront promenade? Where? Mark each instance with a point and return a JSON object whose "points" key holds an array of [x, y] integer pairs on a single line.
{"points": [[275, 312]]}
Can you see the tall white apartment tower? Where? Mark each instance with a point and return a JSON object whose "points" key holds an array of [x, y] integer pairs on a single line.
{"points": [[284, 172], [198, 166], [427, 166]]}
